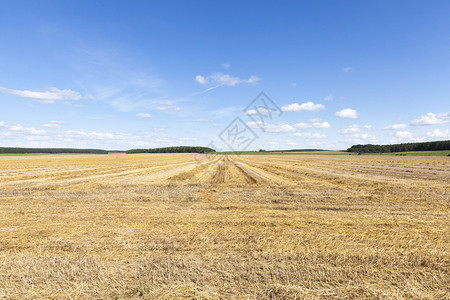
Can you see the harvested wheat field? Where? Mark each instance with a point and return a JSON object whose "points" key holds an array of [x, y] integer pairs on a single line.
{"points": [[224, 227]]}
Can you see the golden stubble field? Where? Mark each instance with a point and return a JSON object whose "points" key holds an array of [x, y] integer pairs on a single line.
{"points": [[219, 227]]}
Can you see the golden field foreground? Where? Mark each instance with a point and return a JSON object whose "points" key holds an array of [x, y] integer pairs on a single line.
{"points": [[218, 227]]}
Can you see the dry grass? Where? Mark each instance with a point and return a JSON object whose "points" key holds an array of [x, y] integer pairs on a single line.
{"points": [[205, 227]]}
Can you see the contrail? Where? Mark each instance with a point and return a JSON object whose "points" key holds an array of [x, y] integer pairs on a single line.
{"points": [[207, 90]]}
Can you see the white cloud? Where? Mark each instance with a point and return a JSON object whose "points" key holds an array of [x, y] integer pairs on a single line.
{"points": [[328, 98], [350, 130], [50, 125], [79, 134], [302, 125], [324, 124], [130, 104], [38, 138], [89, 97], [256, 124], [258, 112], [252, 79], [404, 134], [369, 127], [224, 79], [396, 127], [278, 127], [54, 124], [360, 138], [432, 119], [293, 84], [347, 113], [143, 115], [307, 106], [313, 124], [252, 112], [21, 136], [15, 130], [200, 79], [353, 134], [167, 105], [51, 96], [218, 79], [314, 135], [174, 108], [28, 130], [439, 134], [347, 69], [226, 66]]}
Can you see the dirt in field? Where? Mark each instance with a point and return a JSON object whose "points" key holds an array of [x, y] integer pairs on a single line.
{"points": [[224, 227]]}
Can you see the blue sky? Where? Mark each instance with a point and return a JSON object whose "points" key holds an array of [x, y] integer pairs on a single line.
{"points": [[142, 74]]}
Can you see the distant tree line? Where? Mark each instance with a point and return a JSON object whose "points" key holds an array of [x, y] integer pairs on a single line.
{"points": [[292, 150], [175, 149], [426, 146], [14, 150]]}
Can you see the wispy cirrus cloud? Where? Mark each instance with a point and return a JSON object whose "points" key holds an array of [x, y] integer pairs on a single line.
{"points": [[219, 79], [52, 95], [127, 104], [143, 115], [167, 105], [109, 74], [224, 79], [328, 98]]}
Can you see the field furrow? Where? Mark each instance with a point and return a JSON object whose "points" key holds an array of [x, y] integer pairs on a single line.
{"points": [[192, 226]]}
